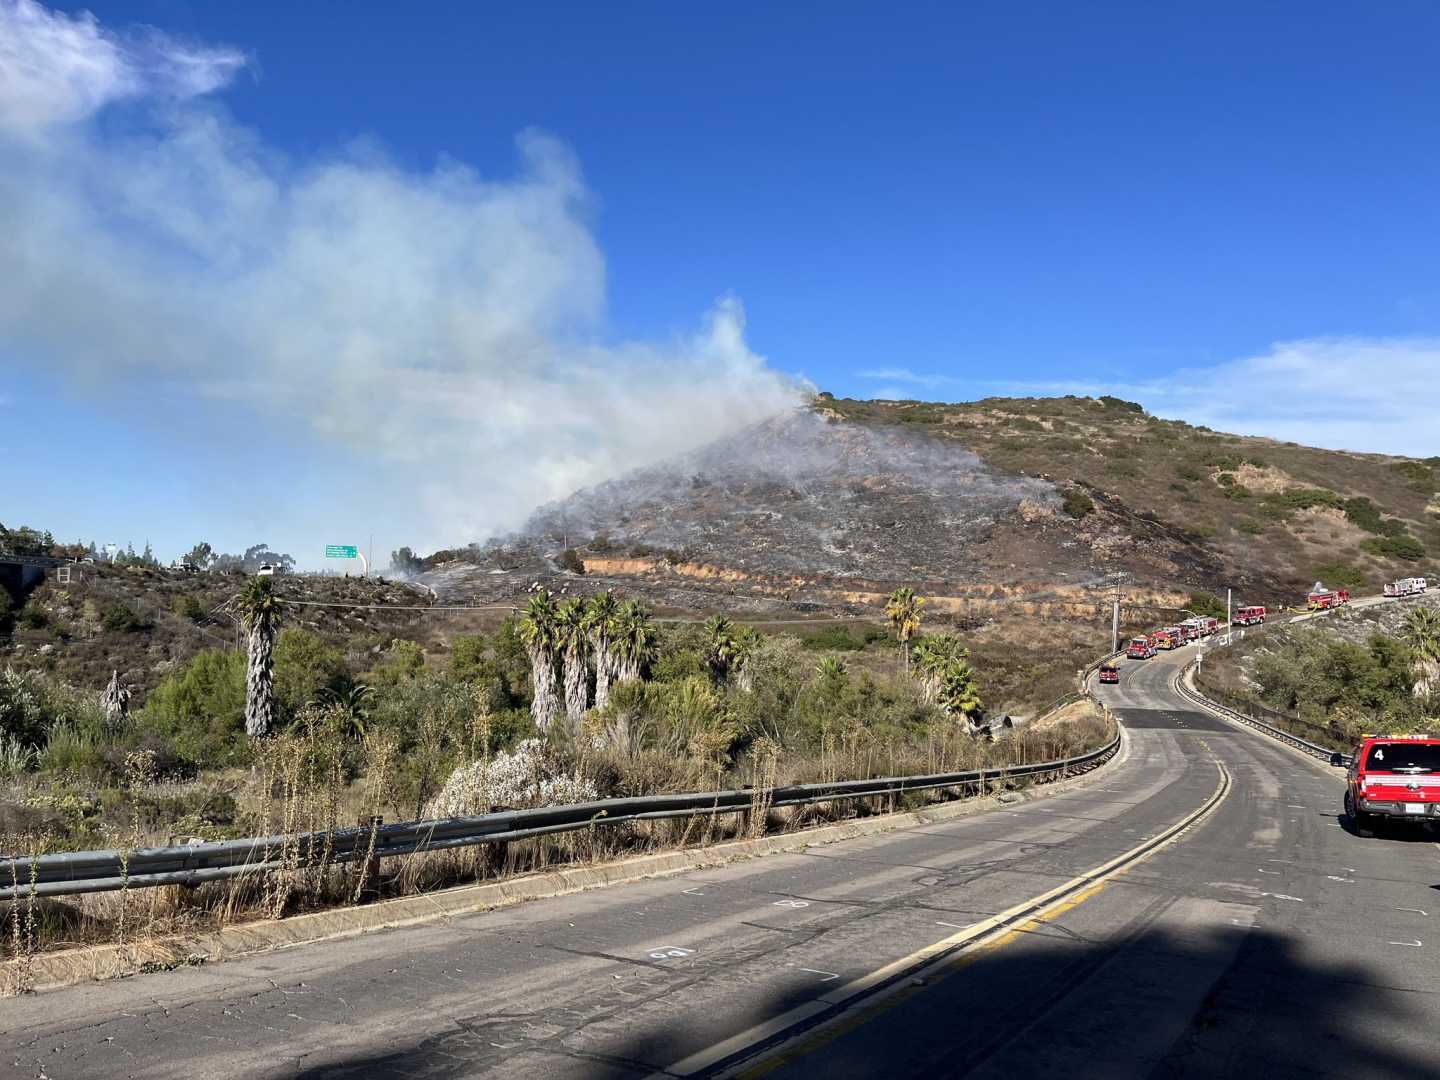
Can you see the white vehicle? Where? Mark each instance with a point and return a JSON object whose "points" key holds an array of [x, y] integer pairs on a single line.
{"points": [[266, 569], [1410, 586]]}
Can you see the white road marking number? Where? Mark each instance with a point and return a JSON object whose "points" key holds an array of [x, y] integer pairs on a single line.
{"points": [[670, 952], [792, 903]]}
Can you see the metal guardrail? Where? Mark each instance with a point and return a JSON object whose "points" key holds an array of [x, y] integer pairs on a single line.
{"points": [[1322, 752], [74, 872]]}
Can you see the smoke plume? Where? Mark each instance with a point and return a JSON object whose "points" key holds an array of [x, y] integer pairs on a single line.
{"points": [[447, 327]]}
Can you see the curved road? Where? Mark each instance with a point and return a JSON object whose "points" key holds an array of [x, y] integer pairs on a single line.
{"points": [[1264, 939]]}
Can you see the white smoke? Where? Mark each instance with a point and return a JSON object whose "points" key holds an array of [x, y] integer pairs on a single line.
{"points": [[445, 323]]}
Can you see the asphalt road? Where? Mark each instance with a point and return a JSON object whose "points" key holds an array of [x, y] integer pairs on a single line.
{"points": [[1263, 940]]}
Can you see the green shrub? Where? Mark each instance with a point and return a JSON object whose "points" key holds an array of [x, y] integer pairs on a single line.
{"points": [[1204, 603], [120, 618], [1121, 405], [1189, 472], [844, 638], [1365, 514], [33, 617], [201, 708], [1406, 548], [1341, 575], [1250, 527], [188, 606], [404, 660], [1237, 491], [570, 560], [1077, 504], [1420, 476]]}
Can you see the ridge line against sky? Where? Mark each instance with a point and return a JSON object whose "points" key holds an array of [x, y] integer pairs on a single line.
{"points": [[261, 294]]}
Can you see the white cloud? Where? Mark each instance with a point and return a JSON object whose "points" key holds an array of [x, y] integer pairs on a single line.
{"points": [[1378, 395], [893, 375], [445, 323], [57, 69], [1371, 394]]}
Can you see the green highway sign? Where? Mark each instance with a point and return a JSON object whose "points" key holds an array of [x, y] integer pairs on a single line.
{"points": [[341, 551]]}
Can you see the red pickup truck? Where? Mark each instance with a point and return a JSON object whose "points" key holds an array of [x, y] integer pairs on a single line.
{"points": [[1393, 777]]}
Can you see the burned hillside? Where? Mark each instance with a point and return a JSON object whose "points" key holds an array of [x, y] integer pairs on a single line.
{"points": [[812, 512]]}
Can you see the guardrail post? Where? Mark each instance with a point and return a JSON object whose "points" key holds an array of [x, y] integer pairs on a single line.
{"points": [[369, 885], [493, 860]]}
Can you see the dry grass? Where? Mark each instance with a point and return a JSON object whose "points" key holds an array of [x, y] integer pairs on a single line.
{"points": [[301, 792]]}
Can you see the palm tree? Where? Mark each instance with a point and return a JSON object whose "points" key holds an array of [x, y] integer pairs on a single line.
{"points": [[831, 669], [539, 632], [903, 611], [633, 640], [959, 695], [934, 654], [744, 649], [260, 615], [1422, 633], [574, 639], [719, 648], [600, 616]]}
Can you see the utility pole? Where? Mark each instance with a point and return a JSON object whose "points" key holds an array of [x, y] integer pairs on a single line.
{"points": [[1115, 623], [1228, 623]]}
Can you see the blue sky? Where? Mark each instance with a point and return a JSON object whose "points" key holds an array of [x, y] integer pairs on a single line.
{"points": [[1228, 213]]}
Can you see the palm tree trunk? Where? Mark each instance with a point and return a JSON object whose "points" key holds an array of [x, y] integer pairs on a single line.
{"points": [[603, 662], [260, 682], [575, 677], [544, 701]]}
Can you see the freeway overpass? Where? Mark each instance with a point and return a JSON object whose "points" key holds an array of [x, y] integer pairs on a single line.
{"points": [[1251, 935], [19, 574]]}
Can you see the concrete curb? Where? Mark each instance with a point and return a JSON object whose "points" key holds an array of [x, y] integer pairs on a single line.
{"points": [[53, 971]]}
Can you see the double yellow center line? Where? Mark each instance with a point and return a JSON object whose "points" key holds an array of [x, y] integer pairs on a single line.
{"points": [[766, 1047]]}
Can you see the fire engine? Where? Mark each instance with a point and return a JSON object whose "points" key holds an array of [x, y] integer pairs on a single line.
{"points": [[1323, 599], [1162, 639], [1249, 616], [1140, 648], [1410, 586], [1109, 673], [1191, 629], [1392, 776]]}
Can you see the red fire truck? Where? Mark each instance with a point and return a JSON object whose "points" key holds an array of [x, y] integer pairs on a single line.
{"points": [[1168, 638], [1109, 673], [1323, 599], [1249, 616], [1392, 776], [1140, 648]]}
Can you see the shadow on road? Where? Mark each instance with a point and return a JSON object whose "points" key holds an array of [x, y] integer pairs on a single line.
{"points": [[1395, 832], [1210, 1003]]}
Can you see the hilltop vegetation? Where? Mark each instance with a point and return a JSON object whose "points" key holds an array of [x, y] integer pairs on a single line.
{"points": [[1292, 512]]}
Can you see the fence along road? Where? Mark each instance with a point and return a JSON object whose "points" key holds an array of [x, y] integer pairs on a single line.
{"points": [[1262, 938]]}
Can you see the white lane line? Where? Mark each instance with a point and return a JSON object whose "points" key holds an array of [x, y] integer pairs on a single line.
{"points": [[692, 892], [1283, 896], [1414, 911], [828, 974], [953, 926], [1262, 870], [1337, 877], [1417, 943]]}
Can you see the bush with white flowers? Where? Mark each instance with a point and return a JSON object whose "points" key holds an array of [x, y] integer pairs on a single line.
{"points": [[518, 778]]}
